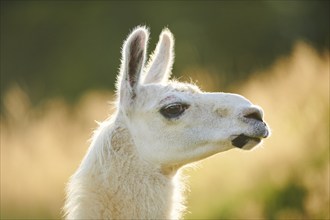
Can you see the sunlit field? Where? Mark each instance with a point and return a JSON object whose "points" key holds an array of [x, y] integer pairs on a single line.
{"points": [[286, 178]]}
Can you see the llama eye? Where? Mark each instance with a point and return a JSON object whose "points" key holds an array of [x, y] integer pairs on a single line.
{"points": [[173, 110]]}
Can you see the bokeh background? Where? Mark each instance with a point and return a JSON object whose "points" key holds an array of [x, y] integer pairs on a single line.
{"points": [[59, 61]]}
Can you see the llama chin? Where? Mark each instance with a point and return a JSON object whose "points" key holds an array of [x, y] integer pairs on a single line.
{"points": [[131, 170]]}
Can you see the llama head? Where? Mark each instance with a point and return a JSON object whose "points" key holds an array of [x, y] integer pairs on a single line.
{"points": [[173, 123]]}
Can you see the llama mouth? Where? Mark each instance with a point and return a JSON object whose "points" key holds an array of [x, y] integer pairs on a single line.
{"points": [[245, 142]]}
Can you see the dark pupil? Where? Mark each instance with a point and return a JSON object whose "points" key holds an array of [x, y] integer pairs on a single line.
{"points": [[173, 110]]}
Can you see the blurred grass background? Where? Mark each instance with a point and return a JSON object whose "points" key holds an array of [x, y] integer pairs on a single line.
{"points": [[59, 60]]}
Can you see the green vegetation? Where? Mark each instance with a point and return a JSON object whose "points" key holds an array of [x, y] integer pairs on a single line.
{"points": [[63, 48]]}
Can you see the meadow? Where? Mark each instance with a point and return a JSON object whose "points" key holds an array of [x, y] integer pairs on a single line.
{"points": [[286, 178]]}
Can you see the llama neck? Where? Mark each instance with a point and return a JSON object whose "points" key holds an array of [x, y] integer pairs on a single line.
{"points": [[121, 184]]}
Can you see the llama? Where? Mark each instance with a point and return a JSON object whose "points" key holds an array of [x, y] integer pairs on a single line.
{"points": [[132, 167]]}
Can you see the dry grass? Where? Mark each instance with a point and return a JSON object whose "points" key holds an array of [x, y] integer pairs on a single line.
{"points": [[286, 178], [41, 148]]}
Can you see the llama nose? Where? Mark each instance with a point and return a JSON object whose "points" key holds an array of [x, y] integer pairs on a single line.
{"points": [[253, 113]]}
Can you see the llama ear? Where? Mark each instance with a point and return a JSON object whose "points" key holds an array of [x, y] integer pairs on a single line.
{"points": [[161, 61], [133, 59]]}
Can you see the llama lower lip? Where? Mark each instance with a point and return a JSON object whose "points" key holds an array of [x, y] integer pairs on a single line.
{"points": [[241, 140]]}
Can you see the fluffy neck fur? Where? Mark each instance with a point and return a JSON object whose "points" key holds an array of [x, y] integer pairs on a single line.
{"points": [[112, 182]]}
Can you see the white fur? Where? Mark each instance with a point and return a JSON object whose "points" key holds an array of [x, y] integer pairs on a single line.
{"points": [[131, 168]]}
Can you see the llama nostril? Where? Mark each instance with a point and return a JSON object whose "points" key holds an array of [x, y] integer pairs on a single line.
{"points": [[254, 115]]}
